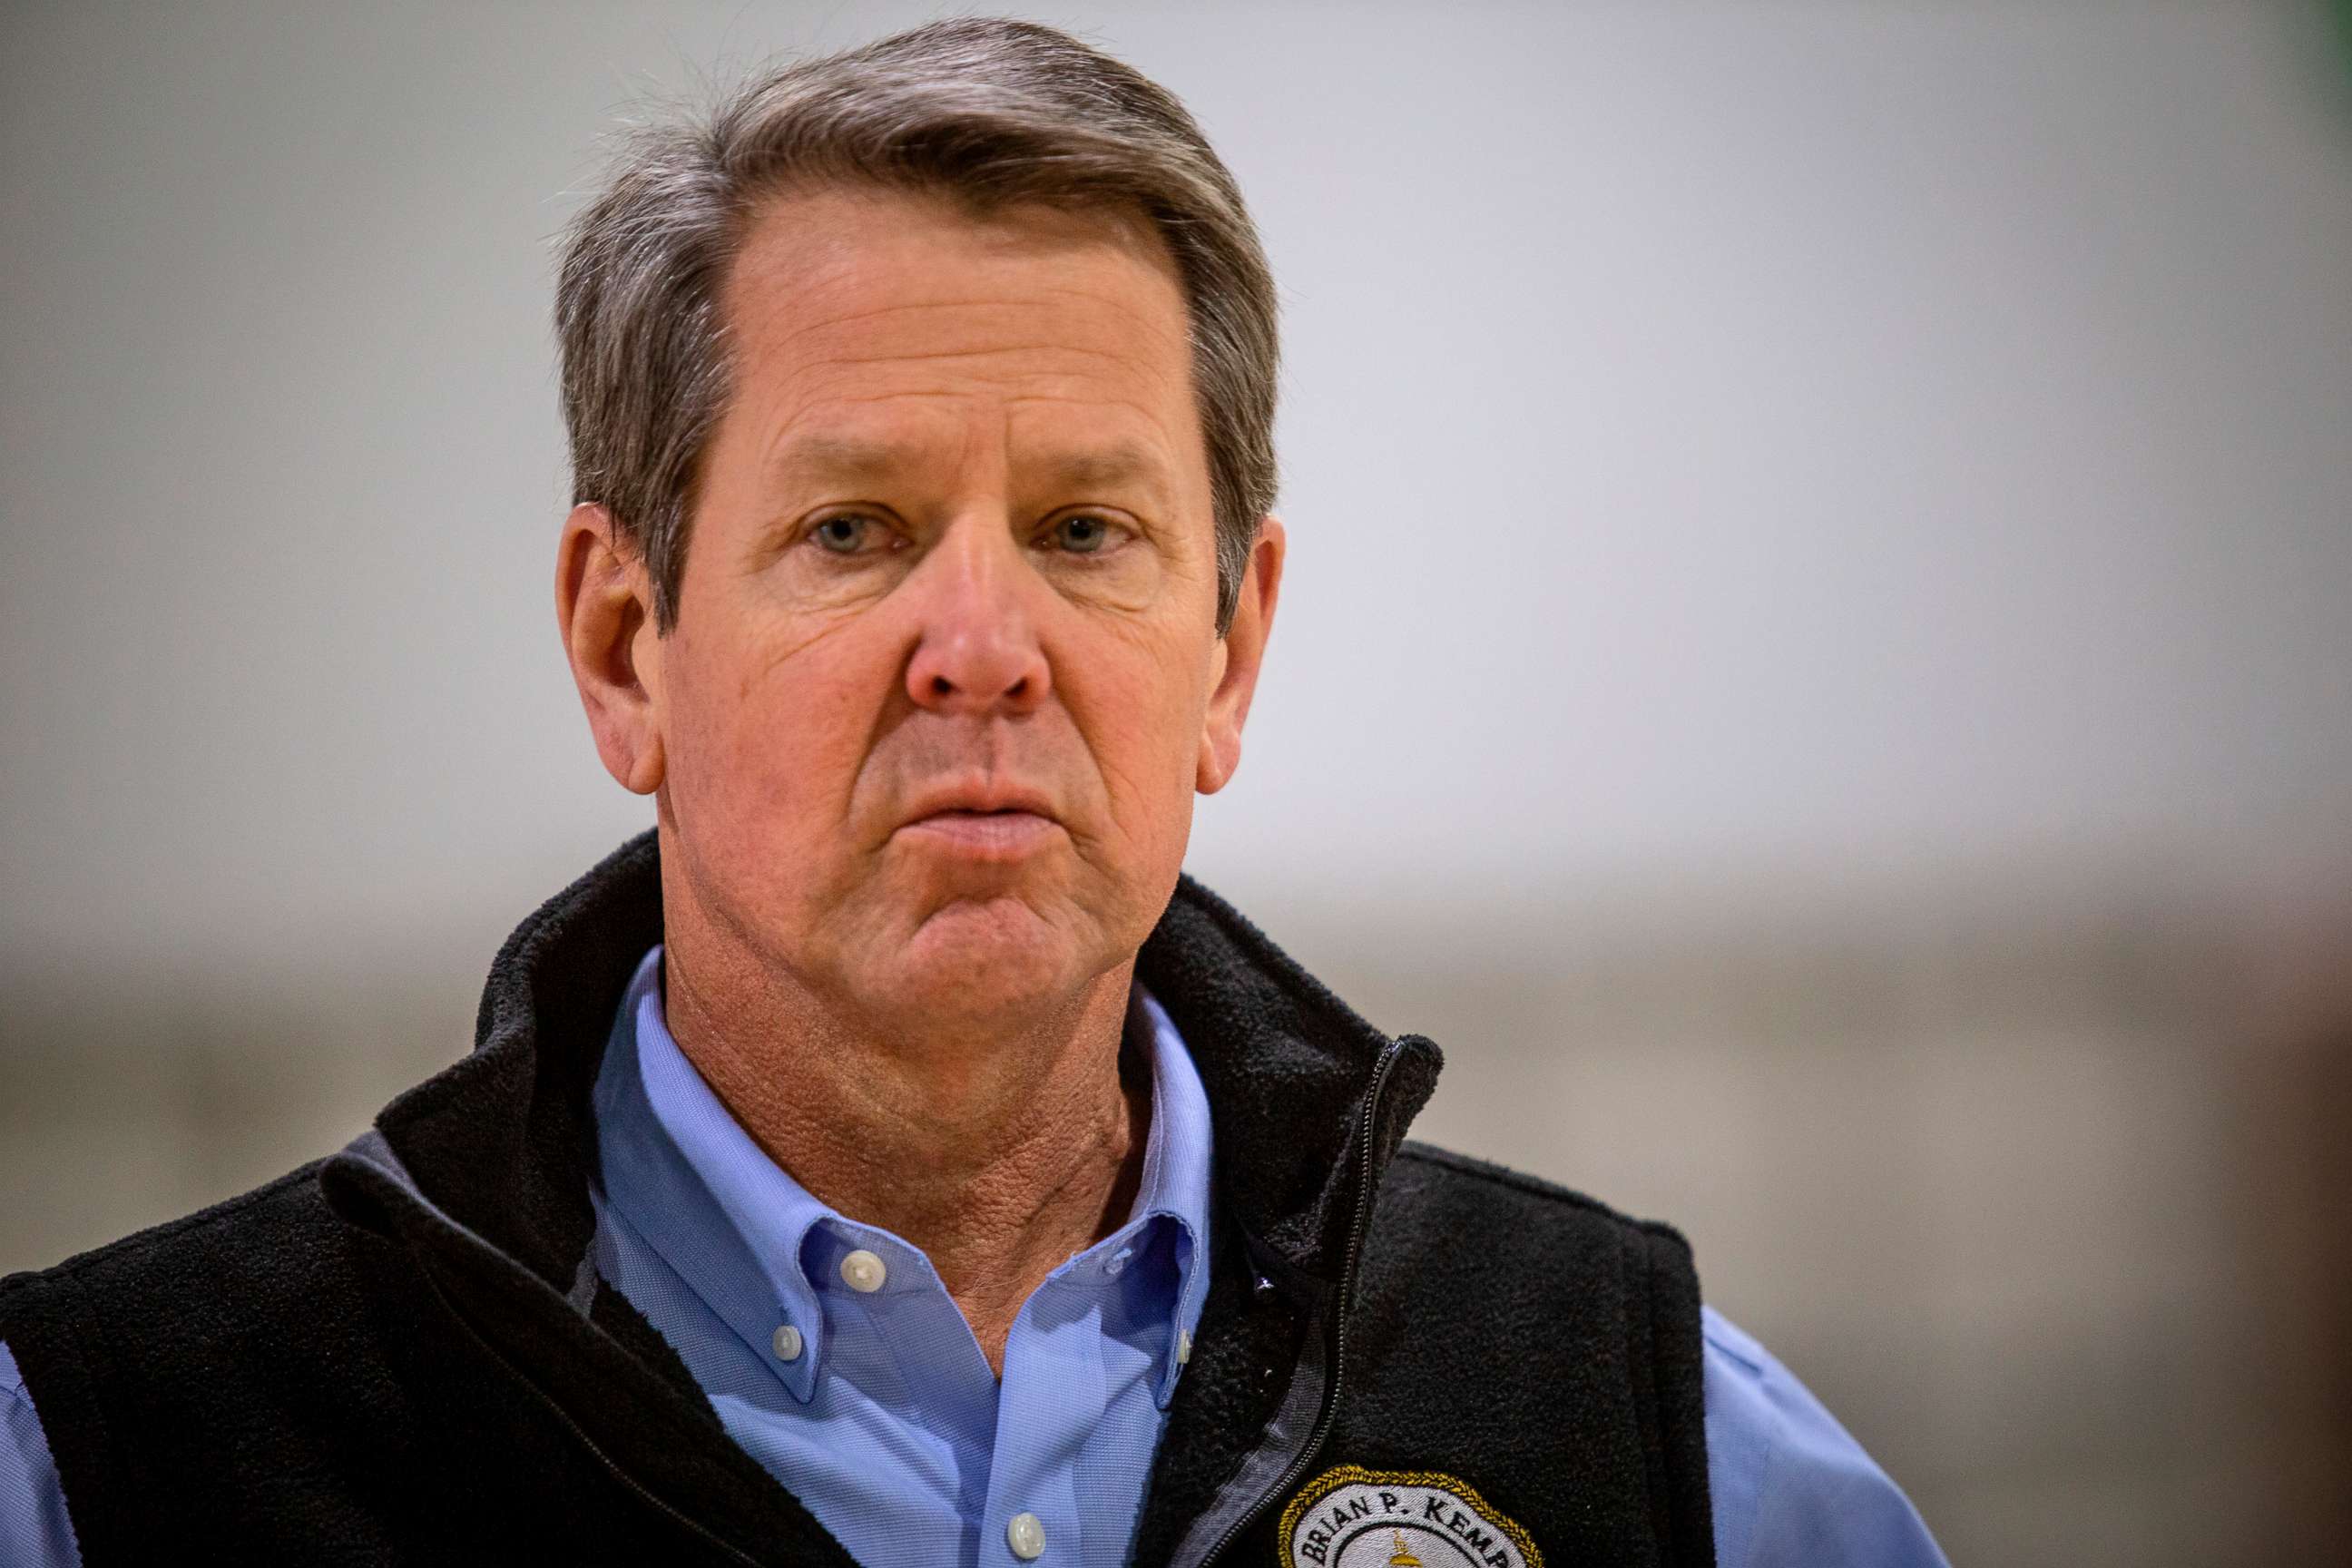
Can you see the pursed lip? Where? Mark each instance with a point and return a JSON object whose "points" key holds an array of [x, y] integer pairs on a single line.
{"points": [[983, 823], [981, 797]]}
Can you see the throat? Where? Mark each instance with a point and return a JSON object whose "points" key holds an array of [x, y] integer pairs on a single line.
{"points": [[998, 1164]]}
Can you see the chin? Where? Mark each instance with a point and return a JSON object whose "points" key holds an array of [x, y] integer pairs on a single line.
{"points": [[987, 956]]}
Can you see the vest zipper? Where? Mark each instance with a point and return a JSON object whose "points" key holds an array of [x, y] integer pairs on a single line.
{"points": [[1341, 1301]]}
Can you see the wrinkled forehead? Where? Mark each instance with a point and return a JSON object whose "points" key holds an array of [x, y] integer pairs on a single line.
{"points": [[836, 268], [858, 316]]}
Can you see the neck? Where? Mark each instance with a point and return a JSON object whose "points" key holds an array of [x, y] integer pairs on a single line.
{"points": [[998, 1152]]}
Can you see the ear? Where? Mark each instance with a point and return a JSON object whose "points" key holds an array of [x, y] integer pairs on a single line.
{"points": [[1239, 655], [604, 606]]}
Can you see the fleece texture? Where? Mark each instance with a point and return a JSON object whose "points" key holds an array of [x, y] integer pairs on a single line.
{"points": [[400, 1354]]}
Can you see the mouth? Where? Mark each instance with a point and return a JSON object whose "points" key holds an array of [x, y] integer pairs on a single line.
{"points": [[1004, 835], [983, 822]]}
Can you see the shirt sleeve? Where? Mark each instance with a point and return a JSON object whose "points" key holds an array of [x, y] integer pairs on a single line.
{"points": [[34, 1528], [1789, 1487]]}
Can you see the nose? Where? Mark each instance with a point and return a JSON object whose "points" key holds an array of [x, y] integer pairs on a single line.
{"points": [[977, 650]]}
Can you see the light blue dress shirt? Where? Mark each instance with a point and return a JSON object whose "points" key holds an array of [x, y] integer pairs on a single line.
{"points": [[885, 1421], [835, 1357]]}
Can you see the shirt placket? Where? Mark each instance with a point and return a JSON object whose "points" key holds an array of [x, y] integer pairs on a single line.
{"points": [[901, 1342], [1054, 1396]]}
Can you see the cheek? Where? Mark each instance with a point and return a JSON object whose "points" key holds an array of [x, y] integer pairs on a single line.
{"points": [[1150, 703], [764, 743]]}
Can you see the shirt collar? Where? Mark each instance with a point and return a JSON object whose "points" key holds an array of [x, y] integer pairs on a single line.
{"points": [[684, 1174], [743, 1233], [1176, 1175]]}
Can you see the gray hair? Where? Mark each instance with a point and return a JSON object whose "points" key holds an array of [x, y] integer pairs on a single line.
{"points": [[989, 110]]}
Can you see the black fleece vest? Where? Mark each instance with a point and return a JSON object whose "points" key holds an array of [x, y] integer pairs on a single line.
{"points": [[400, 1354]]}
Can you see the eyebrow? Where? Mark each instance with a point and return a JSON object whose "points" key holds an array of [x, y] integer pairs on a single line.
{"points": [[858, 458], [846, 457], [1122, 462]]}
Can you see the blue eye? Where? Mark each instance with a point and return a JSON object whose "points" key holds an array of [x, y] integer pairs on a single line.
{"points": [[841, 535], [1082, 534]]}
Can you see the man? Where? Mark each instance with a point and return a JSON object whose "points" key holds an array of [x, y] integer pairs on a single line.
{"points": [[891, 1158]]}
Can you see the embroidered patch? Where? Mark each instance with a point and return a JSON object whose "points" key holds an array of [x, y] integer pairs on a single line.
{"points": [[1352, 1518]]}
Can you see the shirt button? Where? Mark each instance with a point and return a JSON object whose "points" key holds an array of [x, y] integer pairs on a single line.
{"points": [[787, 1341], [863, 1271], [1117, 1266], [1027, 1535], [1183, 1347]]}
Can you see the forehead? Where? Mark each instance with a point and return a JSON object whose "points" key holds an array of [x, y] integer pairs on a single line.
{"points": [[854, 308]]}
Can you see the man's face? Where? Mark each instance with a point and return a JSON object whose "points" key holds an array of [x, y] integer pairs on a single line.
{"points": [[945, 675]]}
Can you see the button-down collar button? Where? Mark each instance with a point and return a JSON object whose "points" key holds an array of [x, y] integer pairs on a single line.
{"points": [[1025, 1534], [863, 1271], [1117, 1264], [787, 1342]]}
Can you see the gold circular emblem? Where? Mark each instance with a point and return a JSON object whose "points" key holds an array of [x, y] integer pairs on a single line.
{"points": [[1354, 1518]]}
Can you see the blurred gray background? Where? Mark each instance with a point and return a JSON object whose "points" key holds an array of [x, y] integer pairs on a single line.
{"points": [[1815, 660]]}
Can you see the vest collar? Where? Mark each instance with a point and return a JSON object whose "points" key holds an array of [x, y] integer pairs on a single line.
{"points": [[501, 1145]]}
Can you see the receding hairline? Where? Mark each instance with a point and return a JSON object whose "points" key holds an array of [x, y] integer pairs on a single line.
{"points": [[1071, 221]]}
